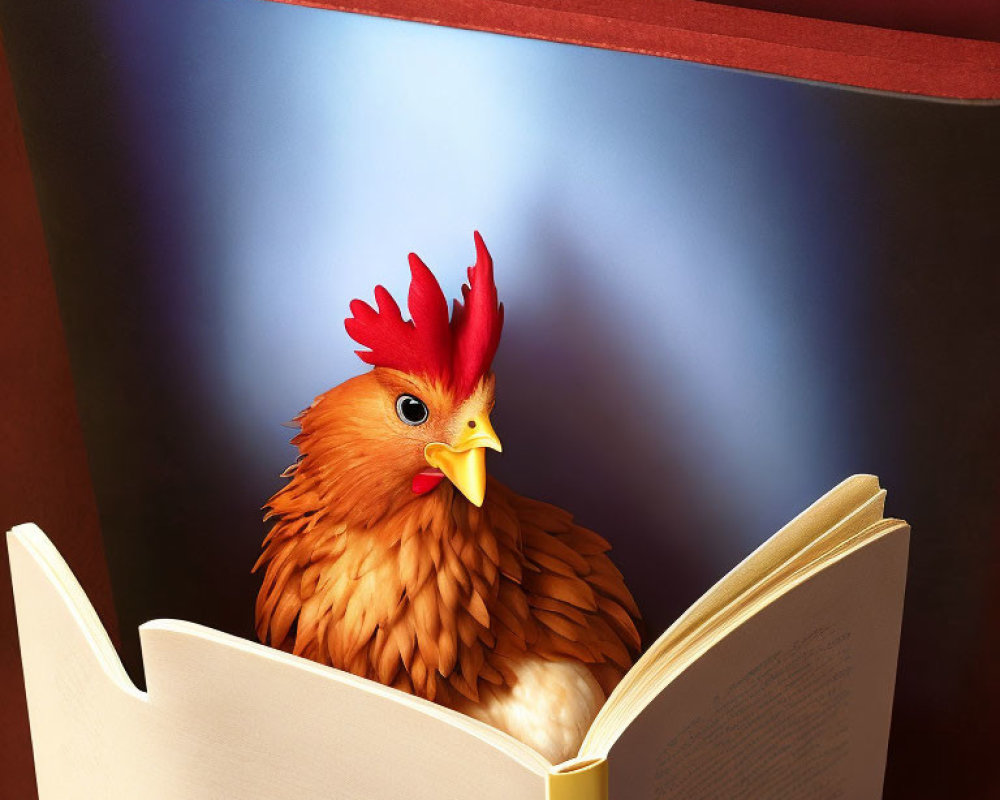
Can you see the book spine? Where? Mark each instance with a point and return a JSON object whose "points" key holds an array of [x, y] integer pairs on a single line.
{"points": [[580, 780]]}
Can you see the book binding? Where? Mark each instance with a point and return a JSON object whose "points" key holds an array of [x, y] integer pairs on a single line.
{"points": [[580, 780]]}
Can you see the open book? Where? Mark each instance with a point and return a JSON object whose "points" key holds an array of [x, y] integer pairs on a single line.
{"points": [[777, 683]]}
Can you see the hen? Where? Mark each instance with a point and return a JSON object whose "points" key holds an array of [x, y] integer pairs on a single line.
{"points": [[393, 556]]}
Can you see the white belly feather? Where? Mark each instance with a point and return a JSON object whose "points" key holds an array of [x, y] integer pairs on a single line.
{"points": [[549, 709]]}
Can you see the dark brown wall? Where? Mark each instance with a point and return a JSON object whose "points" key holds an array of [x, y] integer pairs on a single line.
{"points": [[43, 470]]}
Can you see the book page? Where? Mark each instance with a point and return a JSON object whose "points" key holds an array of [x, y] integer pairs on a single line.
{"points": [[795, 702], [228, 719], [844, 511]]}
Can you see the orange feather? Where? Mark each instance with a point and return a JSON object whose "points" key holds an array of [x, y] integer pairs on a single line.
{"points": [[428, 593]]}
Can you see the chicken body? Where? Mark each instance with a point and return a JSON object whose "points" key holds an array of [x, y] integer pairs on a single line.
{"points": [[503, 609]]}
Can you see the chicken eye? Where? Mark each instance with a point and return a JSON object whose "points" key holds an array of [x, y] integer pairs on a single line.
{"points": [[411, 410]]}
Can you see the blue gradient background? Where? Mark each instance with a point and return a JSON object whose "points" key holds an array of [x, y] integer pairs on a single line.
{"points": [[687, 218], [724, 294]]}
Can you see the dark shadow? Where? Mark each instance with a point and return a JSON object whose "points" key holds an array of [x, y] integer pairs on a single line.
{"points": [[935, 276], [159, 468], [567, 383]]}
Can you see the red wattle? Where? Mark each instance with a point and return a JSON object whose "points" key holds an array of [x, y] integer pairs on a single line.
{"points": [[424, 481]]}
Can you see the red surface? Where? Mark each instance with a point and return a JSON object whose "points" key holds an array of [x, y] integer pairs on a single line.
{"points": [[43, 471], [711, 33]]}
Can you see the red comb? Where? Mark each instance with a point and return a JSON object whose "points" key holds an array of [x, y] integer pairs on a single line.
{"points": [[458, 353]]}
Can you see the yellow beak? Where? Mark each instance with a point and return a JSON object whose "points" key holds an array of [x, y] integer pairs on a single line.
{"points": [[464, 463]]}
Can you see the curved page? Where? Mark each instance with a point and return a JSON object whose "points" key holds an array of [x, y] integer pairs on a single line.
{"points": [[228, 718], [794, 702]]}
